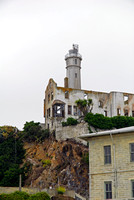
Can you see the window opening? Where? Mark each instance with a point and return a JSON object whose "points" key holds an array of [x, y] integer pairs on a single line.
{"points": [[133, 113], [132, 152], [48, 112], [118, 111], [69, 110], [75, 61], [58, 110], [132, 184], [75, 110], [107, 154], [52, 95], [108, 190], [105, 113], [125, 112], [85, 96], [125, 99], [75, 75], [48, 98], [47, 126], [100, 104], [66, 94]]}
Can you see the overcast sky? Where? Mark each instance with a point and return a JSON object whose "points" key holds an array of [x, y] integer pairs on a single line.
{"points": [[35, 35]]}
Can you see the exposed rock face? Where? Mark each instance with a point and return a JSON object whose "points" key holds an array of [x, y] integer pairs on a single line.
{"points": [[65, 166]]}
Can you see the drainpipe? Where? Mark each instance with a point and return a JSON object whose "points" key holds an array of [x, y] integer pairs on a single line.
{"points": [[114, 166], [89, 173]]}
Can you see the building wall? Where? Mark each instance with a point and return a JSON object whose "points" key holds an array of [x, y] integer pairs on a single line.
{"points": [[69, 132], [120, 171], [103, 103]]}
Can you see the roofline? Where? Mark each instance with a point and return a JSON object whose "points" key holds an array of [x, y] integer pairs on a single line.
{"points": [[104, 133], [92, 91]]}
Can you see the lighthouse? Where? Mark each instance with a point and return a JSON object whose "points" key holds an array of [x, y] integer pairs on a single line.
{"points": [[73, 68]]}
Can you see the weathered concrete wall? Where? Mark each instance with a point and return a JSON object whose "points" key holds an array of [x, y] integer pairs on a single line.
{"points": [[63, 133], [120, 171], [107, 104]]}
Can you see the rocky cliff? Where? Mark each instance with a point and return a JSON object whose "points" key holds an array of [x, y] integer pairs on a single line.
{"points": [[56, 163]]}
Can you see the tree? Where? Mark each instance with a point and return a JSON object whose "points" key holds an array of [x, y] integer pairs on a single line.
{"points": [[12, 154], [85, 106], [33, 132]]}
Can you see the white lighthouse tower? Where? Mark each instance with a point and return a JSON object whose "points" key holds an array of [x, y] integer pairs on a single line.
{"points": [[73, 68]]}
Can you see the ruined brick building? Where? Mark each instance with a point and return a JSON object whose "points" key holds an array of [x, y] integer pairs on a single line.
{"points": [[59, 103]]}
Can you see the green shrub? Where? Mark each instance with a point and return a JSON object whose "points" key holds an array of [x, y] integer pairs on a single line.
{"points": [[39, 196], [19, 195], [61, 190], [12, 154], [70, 121], [102, 122], [15, 196], [64, 124], [122, 121], [46, 163], [33, 132], [5, 197], [98, 121]]}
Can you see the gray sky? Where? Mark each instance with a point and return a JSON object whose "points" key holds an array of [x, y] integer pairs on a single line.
{"points": [[35, 35]]}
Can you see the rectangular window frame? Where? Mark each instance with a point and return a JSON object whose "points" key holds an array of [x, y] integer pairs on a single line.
{"points": [[69, 110], [75, 110], [66, 94], [132, 188], [108, 189], [107, 155], [105, 113], [75, 61], [131, 146], [118, 111]]}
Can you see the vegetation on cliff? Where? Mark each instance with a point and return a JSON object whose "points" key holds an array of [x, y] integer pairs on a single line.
{"points": [[12, 151], [25, 196], [11, 156], [33, 132], [101, 122]]}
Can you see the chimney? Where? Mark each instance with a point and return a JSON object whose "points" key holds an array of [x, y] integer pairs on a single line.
{"points": [[66, 82]]}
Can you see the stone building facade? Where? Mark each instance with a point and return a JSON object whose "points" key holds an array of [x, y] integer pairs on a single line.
{"points": [[111, 164], [59, 103]]}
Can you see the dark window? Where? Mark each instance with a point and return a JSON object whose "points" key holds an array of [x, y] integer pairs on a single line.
{"points": [[48, 97], [108, 190], [58, 110], [132, 188], [133, 113], [52, 95], [105, 113], [69, 110], [75, 75], [118, 111], [132, 152], [48, 112], [107, 154], [125, 112], [47, 126], [76, 61]]}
